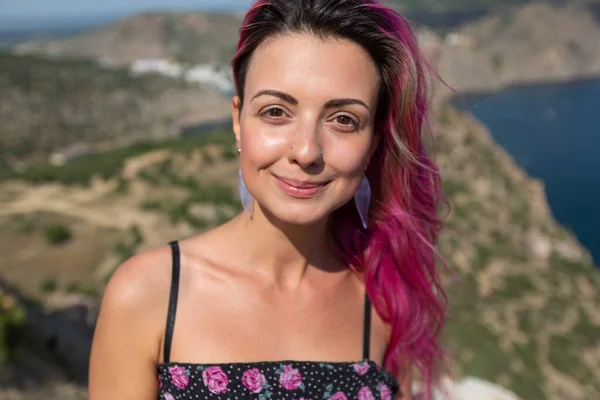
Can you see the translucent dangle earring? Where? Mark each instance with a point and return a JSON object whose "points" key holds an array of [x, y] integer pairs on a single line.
{"points": [[362, 199], [245, 196]]}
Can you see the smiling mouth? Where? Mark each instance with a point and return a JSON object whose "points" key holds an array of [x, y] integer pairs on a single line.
{"points": [[300, 189]]}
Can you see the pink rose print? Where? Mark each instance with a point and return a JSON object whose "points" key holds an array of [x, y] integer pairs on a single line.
{"points": [[169, 396], [365, 394], [253, 380], [215, 379], [361, 368], [159, 382], [179, 376], [384, 392], [290, 378], [338, 396]]}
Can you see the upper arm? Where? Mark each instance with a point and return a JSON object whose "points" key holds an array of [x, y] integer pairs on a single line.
{"points": [[127, 336]]}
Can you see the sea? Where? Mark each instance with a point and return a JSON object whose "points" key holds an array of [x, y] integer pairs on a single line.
{"points": [[553, 132]]}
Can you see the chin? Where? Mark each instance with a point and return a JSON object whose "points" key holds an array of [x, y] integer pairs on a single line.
{"points": [[303, 215]]}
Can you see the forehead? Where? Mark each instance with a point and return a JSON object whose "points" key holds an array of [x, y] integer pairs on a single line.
{"points": [[305, 66]]}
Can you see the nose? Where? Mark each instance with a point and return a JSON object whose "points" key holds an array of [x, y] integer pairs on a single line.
{"points": [[305, 150]]}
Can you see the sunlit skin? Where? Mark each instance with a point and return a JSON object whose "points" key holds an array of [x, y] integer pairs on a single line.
{"points": [[293, 110], [265, 287]]}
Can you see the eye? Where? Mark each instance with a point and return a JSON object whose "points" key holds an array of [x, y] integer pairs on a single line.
{"points": [[273, 113], [346, 122]]}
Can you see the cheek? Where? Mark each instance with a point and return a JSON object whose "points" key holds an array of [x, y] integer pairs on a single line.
{"points": [[348, 157], [261, 144]]}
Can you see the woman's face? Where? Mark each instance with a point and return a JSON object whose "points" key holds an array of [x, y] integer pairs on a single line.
{"points": [[304, 96]]}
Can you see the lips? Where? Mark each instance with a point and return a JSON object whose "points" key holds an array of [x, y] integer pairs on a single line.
{"points": [[300, 189]]}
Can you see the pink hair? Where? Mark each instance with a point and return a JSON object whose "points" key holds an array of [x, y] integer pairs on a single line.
{"points": [[397, 252]]}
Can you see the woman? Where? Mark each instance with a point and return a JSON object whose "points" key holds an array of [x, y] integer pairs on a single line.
{"points": [[340, 220]]}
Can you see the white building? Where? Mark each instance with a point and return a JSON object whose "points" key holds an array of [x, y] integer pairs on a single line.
{"points": [[207, 75], [220, 79], [160, 65]]}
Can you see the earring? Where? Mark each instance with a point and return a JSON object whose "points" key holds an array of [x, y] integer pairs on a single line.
{"points": [[362, 199], [245, 196]]}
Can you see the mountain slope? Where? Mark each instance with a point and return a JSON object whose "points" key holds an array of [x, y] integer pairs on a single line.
{"points": [[467, 6], [187, 37], [536, 43], [49, 106], [525, 309]]}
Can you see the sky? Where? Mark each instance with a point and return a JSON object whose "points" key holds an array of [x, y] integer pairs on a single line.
{"points": [[24, 9]]}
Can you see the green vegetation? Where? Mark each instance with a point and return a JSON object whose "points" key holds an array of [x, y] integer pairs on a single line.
{"points": [[57, 234], [48, 285], [96, 104], [521, 215], [515, 286], [124, 250], [483, 255], [473, 337], [12, 318], [453, 187], [565, 358], [217, 195], [127, 248], [109, 164], [122, 186], [527, 383], [83, 289]]}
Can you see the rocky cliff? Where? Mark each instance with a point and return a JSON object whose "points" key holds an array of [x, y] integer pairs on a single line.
{"points": [[525, 305], [537, 43]]}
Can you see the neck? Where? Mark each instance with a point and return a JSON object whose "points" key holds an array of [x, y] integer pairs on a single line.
{"points": [[284, 253]]}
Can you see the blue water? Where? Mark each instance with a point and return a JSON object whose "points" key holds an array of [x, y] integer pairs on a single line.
{"points": [[553, 132]]}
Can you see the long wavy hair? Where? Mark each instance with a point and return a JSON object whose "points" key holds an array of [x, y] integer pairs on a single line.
{"points": [[397, 252]]}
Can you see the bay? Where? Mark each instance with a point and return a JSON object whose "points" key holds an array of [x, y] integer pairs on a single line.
{"points": [[553, 132]]}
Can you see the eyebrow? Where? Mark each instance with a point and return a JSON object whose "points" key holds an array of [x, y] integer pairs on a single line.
{"points": [[290, 99], [345, 102], [276, 93]]}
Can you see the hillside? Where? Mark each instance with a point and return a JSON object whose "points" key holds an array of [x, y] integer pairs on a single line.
{"points": [[467, 6], [531, 42], [537, 43], [524, 307], [197, 38], [71, 106]]}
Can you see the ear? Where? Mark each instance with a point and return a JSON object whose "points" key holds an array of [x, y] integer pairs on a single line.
{"points": [[236, 109]]}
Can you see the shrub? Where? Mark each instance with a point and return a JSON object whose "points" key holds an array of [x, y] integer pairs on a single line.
{"points": [[48, 285], [57, 234], [122, 186], [12, 318], [123, 251], [151, 205], [86, 290]]}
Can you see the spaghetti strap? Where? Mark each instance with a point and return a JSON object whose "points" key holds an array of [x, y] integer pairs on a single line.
{"points": [[172, 300], [367, 328]]}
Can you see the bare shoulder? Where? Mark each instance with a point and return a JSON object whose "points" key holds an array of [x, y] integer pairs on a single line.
{"points": [[125, 347], [142, 281]]}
